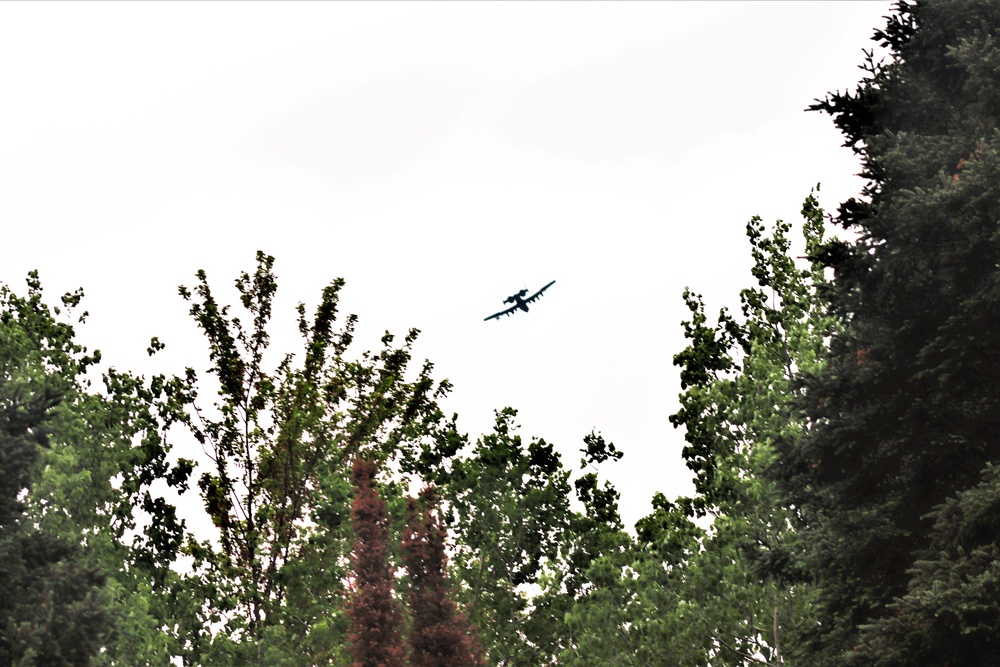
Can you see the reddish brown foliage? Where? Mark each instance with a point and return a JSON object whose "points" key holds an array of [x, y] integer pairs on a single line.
{"points": [[440, 635], [375, 634]]}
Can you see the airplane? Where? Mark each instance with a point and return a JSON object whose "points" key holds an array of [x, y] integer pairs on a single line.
{"points": [[519, 302]]}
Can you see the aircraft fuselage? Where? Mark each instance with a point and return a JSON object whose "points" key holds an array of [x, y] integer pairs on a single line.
{"points": [[518, 300]]}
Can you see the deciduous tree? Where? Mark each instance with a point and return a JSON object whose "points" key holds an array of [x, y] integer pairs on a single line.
{"points": [[278, 488], [684, 595], [54, 608], [507, 506]]}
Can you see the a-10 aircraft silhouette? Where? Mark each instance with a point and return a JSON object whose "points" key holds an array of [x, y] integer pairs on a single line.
{"points": [[519, 302]]}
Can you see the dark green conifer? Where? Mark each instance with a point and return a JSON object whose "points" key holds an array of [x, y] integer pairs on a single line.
{"points": [[906, 414]]}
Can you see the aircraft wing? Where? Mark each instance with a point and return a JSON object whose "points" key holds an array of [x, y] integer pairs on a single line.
{"points": [[496, 316], [538, 294]]}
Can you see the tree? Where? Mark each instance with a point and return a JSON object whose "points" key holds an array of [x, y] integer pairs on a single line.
{"points": [[102, 483], [949, 614], [596, 577], [54, 609], [742, 384], [278, 490], [90, 490], [440, 635], [681, 594], [906, 413], [375, 634], [507, 506]]}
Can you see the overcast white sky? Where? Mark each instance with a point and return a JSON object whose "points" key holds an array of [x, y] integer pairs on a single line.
{"points": [[439, 157]]}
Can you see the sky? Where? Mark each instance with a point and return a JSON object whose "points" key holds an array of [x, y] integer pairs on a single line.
{"points": [[439, 157]]}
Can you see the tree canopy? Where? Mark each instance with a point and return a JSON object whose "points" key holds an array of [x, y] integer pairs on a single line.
{"points": [[905, 410], [841, 431]]}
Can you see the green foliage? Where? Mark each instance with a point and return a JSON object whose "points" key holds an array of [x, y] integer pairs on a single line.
{"points": [[102, 485], [507, 508], [949, 614], [541, 579], [739, 586], [278, 490], [842, 439], [681, 594], [906, 411], [54, 609]]}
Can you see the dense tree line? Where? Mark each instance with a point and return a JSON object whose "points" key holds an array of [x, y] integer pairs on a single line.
{"points": [[841, 430]]}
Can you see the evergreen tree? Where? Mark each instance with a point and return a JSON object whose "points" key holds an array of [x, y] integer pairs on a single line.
{"points": [[375, 635], [440, 635], [888, 484]]}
